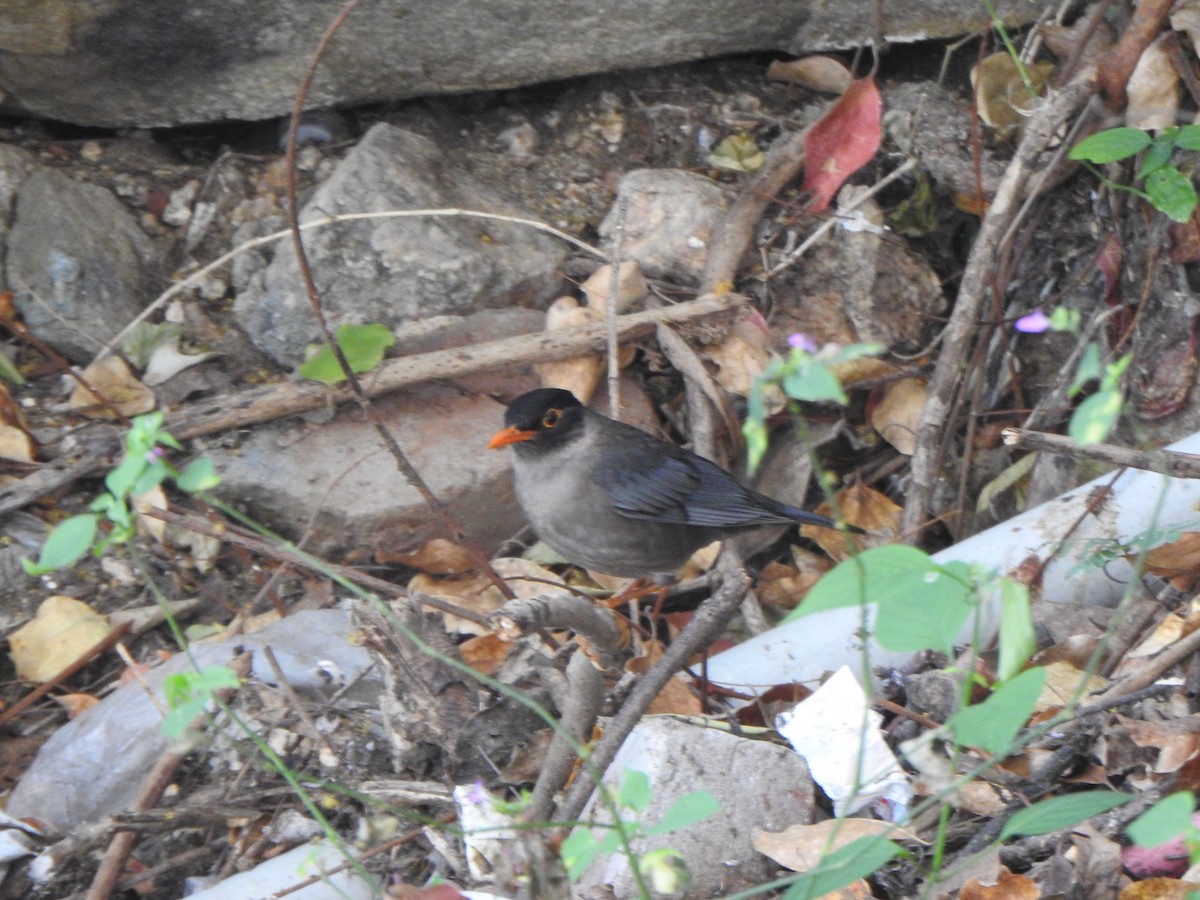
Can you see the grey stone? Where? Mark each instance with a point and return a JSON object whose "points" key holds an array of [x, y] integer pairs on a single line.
{"points": [[128, 62], [758, 784], [340, 485], [395, 270], [669, 215], [78, 264], [16, 165], [95, 764]]}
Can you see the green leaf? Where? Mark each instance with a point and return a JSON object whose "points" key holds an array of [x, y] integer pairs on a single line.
{"points": [[1095, 417], [755, 432], [69, 540], [666, 871], [188, 693], [1172, 193], [151, 477], [857, 859], [199, 475], [1090, 369], [363, 346], [1188, 137], [849, 352], [1113, 372], [1017, 637], [994, 723], [1063, 318], [1061, 812], [1164, 821], [687, 810], [634, 792], [813, 383], [1157, 156], [580, 847], [1111, 145], [9, 371], [120, 480], [737, 153], [921, 605]]}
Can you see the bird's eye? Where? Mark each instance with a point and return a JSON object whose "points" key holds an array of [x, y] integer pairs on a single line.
{"points": [[550, 419]]}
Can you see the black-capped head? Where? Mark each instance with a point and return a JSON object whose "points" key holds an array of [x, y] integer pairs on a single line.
{"points": [[541, 419]]}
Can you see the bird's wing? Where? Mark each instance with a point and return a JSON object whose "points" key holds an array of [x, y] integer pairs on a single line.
{"points": [[677, 487]]}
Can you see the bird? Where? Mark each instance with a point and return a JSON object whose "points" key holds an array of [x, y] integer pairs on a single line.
{"points": [[616, 500]]}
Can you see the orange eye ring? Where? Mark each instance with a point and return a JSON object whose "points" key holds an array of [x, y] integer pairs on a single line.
{"points": [[551, 418]]}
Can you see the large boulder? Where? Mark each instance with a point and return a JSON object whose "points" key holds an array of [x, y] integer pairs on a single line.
{"points": [[169, 62]]}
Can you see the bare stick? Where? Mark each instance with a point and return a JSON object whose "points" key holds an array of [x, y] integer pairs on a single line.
{"points": [[289, 398], [976, 285], [1179, 465], [706, 625]]}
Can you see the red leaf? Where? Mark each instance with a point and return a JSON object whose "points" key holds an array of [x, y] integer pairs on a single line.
{"points": [[842, 142]]}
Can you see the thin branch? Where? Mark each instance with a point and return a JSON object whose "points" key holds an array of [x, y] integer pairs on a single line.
{"points": [[1168, 462]]}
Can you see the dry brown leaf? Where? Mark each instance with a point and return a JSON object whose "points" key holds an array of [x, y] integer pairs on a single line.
{"points": [[677, 696], [1007, 887], [75, 704], [979, 798], [526, 766], [17, 444], [1001, 97], [785, 586], [1185, 17], [485, 652], [112, 380], [478, 594], [826, 74], [631, 287], [743, 356], [898, 411], [1076, 650], [1062, 681], [856, 372], [1165, 633], [1159, 889], [1177, 740], [149, 526], [580, 374], [15, 440], [864, 507], [1154, 89], [1065, 41], [801, 847], [1180, 557], [61, 631], [438, 556]]}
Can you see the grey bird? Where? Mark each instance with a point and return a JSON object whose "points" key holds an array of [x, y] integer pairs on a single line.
{"points": [[612, 498]]}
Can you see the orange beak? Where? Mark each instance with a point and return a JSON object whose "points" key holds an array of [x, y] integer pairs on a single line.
{"points": [[510, 435]]}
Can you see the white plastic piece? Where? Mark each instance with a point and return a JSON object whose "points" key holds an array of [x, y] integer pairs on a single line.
{"points": [[274, 875], [486, 831], [838, 734], [805, 649]]}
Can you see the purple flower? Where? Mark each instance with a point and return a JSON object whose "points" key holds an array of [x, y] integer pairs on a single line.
{"points": [[802, 341], [1034, 323], [154, 455], [477, 794]]}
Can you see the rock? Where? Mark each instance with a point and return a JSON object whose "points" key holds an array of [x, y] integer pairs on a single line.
{"points": [[94, 765], [78, 264], [395, 270], [771, 790], [669, 217], [129, 63], [286, 473], [16, 165]]}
